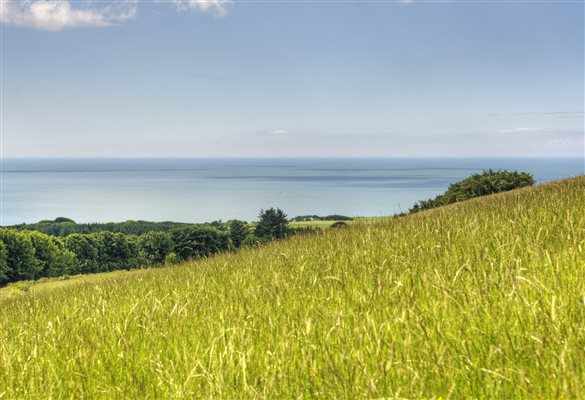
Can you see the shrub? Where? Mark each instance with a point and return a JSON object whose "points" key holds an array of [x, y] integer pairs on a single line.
{"points": [[488, 182], [199, 241], [172, 258], [155, 246]]}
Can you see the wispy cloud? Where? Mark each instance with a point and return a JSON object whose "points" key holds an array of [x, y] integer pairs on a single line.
{"points": [[58, 15], [520, 130], [216, 7], [278, 132]]}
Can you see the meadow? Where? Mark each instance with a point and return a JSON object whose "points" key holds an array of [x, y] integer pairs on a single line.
{"points": [[314, 224], [481, 299]]}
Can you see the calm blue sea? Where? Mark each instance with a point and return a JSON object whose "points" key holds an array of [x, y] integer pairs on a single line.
{"points": [[199, 190]]}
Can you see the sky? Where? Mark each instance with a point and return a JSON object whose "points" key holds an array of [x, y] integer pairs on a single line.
{"points": [[191, 78]]}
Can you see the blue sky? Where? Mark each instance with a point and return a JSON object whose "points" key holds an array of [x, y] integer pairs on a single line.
{"points": [[251, 78]]}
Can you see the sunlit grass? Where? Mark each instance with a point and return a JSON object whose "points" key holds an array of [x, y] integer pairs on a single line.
{"points": [[327, 224], [312, 224], [484, 299]]}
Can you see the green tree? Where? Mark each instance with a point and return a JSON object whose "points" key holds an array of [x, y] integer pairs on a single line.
{"points": [[22, 264], [86, 250], [272, 224], [117, 251], [53, 259], [155, 246], [3, 264], [238, 231]]}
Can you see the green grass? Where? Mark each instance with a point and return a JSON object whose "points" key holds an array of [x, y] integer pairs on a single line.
{"points": [[312, 224], [483, 299], [327, 224]]}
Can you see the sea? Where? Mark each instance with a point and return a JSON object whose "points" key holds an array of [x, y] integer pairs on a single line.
{"points": [[208, 189]]}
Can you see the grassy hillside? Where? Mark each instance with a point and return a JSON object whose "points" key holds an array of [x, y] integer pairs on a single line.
{"points": [[484, 299]]}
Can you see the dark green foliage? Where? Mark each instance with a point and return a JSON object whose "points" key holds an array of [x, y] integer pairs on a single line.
{"points": [[22, 264], [488, 182], [63, 219], [86, 250], [52, 257], [216, 224], [199, 241], [28, 254], [155, 246], [117, 251], [273, 224], [238, 230], [64, 226], [3, 263], [65, 261], [338, 224]]}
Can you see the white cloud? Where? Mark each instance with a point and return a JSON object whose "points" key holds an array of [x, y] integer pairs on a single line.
{"points": [[57, 15], [215, 7], [520, 130], [276, 132]]}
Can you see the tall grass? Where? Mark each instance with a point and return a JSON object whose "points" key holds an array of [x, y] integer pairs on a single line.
{"points": [[483, 299]]}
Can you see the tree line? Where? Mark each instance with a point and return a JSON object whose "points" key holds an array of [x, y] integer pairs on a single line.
{"points": [[62, 226], [65, 226], [29, 255], [481, 184]]}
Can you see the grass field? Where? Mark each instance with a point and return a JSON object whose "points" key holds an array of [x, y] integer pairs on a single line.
{"points": [[483, 299], [313, 224], [327, 224]]}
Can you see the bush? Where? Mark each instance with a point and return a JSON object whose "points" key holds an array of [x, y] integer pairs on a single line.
{"points": [[155, 246], [488, 182], [172, 258], [252, 240], [199, 241]]}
